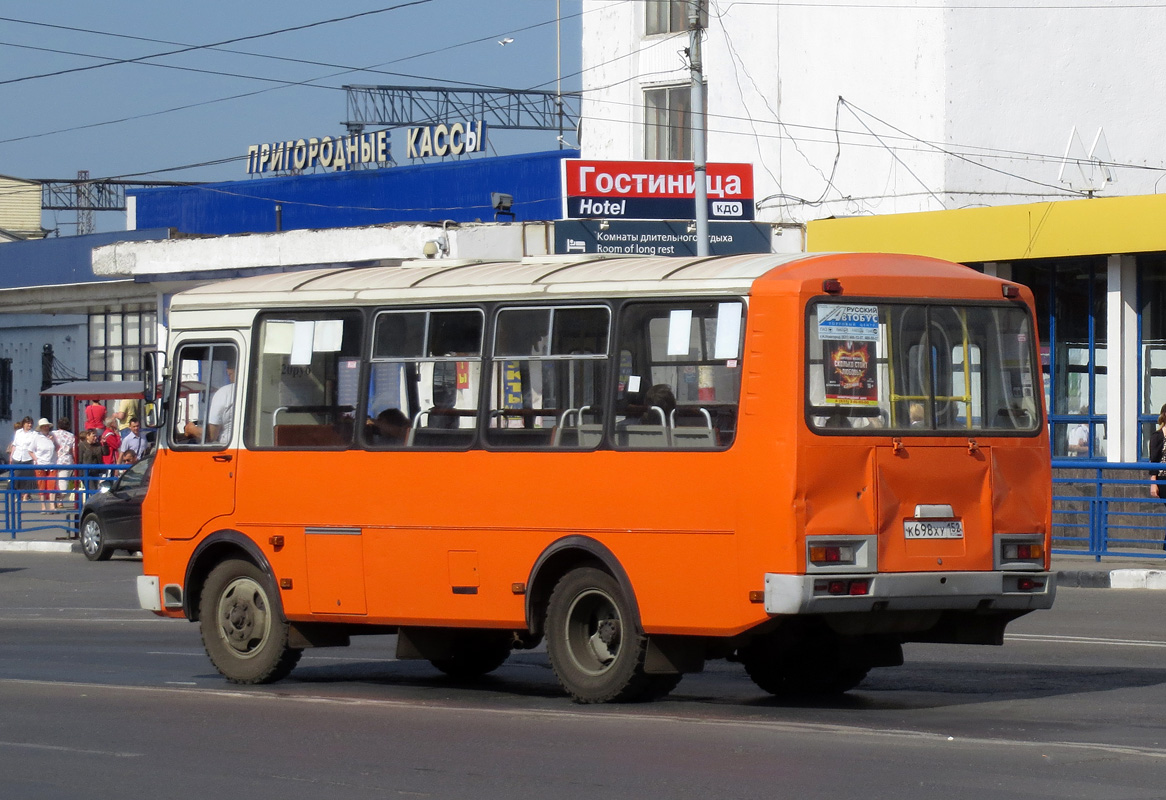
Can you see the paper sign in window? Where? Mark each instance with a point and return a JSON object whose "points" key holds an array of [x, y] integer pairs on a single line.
{"points": [[633, 383], [301, 352], [728, 330], [679, 331], [329, 336], [278, 338]]}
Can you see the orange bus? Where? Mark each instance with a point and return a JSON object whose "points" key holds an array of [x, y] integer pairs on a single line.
{"points": [[798, 462]]}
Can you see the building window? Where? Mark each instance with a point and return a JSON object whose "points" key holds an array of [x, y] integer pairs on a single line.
{"points": [[117, 340], [668, 129], [1152, 353], [5, 388], [1070, 299], [670, 16]]}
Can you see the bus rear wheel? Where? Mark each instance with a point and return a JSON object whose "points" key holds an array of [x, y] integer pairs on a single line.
{"points": [[473, 654], [242, 628], [595, 647], [807, 663]]}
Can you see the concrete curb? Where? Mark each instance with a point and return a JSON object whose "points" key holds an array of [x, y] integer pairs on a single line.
{"points": [[1083, 579], [40, 547], [1113, 579], [1137, 579]]}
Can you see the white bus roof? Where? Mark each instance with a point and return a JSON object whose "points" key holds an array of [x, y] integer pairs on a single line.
{"points": [[430, 280]]}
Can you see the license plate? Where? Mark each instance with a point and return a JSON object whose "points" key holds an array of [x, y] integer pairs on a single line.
{"points": [[933, 529]]}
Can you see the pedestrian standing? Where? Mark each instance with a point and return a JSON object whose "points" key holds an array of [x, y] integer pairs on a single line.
{"points": [[66, 444], [132, 440], [89, 452], [126, 410], [110, 442], [44, 450], [21, 454], [94, 415], [1157, 446]]}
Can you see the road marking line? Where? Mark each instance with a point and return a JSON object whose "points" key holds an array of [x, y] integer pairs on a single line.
{"points": [[1066, 639], [616, 717], [75, 620], [59, 748]]}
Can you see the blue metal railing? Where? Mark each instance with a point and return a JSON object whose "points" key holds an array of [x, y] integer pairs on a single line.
{"points": [[1102, 508], [1099, 508], [32, 504]]}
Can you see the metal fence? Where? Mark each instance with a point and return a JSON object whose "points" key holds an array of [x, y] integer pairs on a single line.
{"points": [[1099, 508], [1105, 509], [35, 505]]}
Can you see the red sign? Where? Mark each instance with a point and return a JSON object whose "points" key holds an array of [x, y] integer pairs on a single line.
{"points": [[653, 190]]}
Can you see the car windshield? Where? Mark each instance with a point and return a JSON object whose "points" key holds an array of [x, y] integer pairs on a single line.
{"points": [[137, 475]]}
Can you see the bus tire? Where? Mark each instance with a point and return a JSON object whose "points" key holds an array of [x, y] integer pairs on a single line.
{"points": [[818, 664], [595, 647], [473, 654], [243, 630]]}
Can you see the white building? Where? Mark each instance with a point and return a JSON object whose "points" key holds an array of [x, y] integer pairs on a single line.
{"points": [[885, 106]]}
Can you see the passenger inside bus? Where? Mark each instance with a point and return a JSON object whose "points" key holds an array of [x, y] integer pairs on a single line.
{"points": [[659, 398], [390, 427]]}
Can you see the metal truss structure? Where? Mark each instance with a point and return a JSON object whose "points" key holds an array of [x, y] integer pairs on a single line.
{"points": [[513, 109], [91, 195]]}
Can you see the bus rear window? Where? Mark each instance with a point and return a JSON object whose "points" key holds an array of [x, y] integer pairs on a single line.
{"points": [[921, 368]]}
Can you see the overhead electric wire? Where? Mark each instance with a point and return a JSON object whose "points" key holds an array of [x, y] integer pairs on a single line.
{"points": [[308, 82], [991, 152], [191, 48]]}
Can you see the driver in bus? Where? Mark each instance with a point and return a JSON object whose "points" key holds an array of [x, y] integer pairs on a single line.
{"points": [[221, 414]]}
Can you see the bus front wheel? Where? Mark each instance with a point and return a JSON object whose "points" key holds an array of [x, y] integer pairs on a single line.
{"points": [[243, 631], [595, 647]]}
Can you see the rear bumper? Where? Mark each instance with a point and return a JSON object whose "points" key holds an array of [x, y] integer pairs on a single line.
{"points": [[911, 591]]}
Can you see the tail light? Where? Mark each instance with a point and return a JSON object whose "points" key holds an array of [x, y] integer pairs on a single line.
{"points": [[832, 554], [843, 587], [1026, 552]]}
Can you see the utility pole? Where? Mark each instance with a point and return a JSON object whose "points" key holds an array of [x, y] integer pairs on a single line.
{"points": [[559, 69], [697, 120]]}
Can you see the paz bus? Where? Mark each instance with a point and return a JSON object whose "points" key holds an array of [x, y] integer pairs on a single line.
{"points": [[796, 462]]}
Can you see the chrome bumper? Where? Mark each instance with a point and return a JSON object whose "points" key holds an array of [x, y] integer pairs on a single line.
{"points": [[910, 591]]}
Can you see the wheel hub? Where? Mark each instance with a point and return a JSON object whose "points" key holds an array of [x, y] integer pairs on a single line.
{"points": [[243, 619]]}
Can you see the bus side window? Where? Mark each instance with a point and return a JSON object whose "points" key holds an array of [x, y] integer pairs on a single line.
{"points": [[550, 367], [424, 378], [306, 380], [693, 349]]}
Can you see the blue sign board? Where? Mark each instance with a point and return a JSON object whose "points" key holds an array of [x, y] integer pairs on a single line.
{"points": [[628, 237]]}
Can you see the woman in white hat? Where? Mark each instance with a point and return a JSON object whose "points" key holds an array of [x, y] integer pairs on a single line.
{"points": [[44, 452]]}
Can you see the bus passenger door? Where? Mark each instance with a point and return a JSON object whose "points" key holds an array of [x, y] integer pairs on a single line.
{"points": [[196, 473]]}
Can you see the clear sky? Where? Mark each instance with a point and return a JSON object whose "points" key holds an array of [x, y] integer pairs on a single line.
{"points": [[205, 105]]}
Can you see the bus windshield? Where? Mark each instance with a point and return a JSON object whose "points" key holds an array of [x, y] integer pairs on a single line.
{"points": [[921, 368]]}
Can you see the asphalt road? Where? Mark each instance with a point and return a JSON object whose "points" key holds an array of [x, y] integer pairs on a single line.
{"points": [[101, 700]]}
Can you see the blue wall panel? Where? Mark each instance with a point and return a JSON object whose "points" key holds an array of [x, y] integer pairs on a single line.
{"points": [[59, 261], [456, 190]]}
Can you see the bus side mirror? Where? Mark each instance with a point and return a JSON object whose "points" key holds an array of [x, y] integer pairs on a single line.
{"points": [[155, 365]]}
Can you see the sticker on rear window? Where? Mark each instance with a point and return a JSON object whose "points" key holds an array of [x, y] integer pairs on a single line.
{"points": [[848, 323]]}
